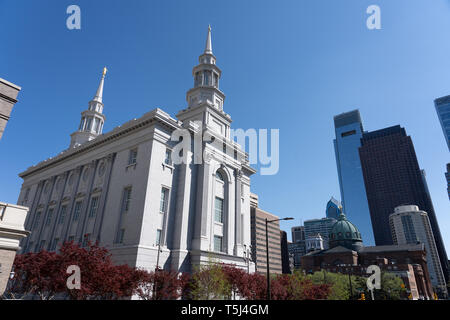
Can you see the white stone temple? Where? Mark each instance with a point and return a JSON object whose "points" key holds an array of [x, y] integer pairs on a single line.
{"points": [[124, 189]]}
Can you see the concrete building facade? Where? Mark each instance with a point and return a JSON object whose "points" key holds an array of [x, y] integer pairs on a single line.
{"points": [[258, 231], [409, 225], [8, 98], [12, 217], [147, 184]]}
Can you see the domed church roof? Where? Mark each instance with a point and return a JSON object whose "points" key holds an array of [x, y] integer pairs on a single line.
{"points": [[345, 234]]}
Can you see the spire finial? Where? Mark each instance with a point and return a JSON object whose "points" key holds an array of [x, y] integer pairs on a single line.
{"points": [[208, 48], [99, 95]]}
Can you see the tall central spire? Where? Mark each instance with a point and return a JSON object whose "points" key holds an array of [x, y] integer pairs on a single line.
{"points": [[92, 119], [205, 96], [208, 47]]}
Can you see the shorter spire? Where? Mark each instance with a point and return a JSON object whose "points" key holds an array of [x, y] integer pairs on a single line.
{"points": [[99, 95], [208, 47]]}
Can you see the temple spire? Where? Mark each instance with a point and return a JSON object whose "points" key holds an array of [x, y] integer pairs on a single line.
{"points": [[99, 95], [208, 47], [92, 119]]}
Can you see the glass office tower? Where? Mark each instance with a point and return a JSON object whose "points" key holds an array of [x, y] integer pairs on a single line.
{"points": [[349, 131], [333, 209], [443, 110]]}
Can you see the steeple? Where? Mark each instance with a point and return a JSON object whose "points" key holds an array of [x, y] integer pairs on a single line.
{"points": [[99, 95], [92, 119], [206, 94], [208, 47]]}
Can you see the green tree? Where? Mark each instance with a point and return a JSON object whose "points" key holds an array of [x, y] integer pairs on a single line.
{"points": [[340, 284], [209, 282]]}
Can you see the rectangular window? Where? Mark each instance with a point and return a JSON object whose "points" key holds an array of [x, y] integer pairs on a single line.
{"points": [[62, 215], [126, 199], [77, 210], [133, 156], [120, 236], [348, 133], [71, 238], [218, 217], [168, 157], [86, 239], [88, 125], [158, 237], [218, 243], [49, 217], [164, 200], [37, 220], [54, 244], [94, 207], [27, 193]]}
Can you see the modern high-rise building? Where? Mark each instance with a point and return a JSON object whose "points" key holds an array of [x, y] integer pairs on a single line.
{"points": [[297, 248], [285, 263], [409, 225], [296, 251], [349, 131], [443, 110], [258, 237], [322, 227], [393, 178], [298, 233], [334, 208], [447, 176]]}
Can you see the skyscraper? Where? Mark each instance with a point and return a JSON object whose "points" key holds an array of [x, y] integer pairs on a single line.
{"points": [[334, 209], [349, 131], [409, 225], [447, 176], [298, 233], [393, 178], [443, 110]]}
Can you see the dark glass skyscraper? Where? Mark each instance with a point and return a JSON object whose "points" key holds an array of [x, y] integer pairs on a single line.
{"points": [[349, 131], [393, 178]]}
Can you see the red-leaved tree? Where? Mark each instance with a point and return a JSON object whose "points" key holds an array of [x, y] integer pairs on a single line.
{"points": [[44, 274]]}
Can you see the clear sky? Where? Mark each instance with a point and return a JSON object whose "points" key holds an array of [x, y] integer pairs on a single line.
{"points": [[290, 65]]}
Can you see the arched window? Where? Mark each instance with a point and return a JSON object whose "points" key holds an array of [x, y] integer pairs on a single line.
{"points": [[219, 176]]}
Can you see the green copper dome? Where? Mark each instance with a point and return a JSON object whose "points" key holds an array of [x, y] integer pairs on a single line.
{"points": [[345, 234]]}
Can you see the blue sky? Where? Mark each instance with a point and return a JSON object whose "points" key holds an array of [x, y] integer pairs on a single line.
{"points": [[291, 65]]}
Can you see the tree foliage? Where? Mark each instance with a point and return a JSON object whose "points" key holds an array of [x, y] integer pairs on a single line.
{"points": [[44, 274]]}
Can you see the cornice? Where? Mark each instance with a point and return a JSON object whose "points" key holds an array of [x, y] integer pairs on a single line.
{"points": [[147, 119]]}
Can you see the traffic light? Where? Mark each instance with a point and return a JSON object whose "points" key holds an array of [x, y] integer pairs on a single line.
{"points": [[363, 296]]}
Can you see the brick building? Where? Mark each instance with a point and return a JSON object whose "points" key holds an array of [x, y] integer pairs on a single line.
{"points": [[258, 236]]}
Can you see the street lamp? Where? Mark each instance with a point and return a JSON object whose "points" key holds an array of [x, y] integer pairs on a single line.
{"points": [[267, 253]]}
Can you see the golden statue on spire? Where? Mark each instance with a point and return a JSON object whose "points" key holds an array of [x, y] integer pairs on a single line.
{"points": [[104, 71]]}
